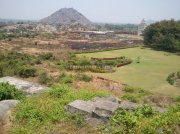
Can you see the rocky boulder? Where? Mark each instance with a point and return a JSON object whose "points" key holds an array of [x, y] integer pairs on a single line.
{"points": [[28, 87], [104, 108], [98, 108], [82, 107]]}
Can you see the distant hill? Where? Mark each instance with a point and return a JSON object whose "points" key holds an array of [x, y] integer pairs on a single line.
{"points": [[66, 16]]}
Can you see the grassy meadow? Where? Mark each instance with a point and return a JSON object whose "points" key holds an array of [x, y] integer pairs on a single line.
{"points": [[150, 74]]}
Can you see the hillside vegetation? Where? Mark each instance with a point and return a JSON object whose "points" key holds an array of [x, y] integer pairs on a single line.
{"points": [[44, 113]]}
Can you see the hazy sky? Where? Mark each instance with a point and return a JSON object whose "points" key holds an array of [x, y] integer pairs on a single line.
{"points": [[117, 11]]}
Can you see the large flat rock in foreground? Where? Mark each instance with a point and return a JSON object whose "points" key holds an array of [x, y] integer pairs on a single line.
{"points": [[80, 106], [27, 87], [101, 107], [105, 108]]}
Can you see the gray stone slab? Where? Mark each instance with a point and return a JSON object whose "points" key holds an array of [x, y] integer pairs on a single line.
{"points": [[27, 87], [108, 98], [5, 106], [104, 108], [79, 106], [99, 109], [126, 105]]}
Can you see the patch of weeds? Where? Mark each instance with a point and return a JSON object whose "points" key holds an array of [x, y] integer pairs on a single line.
{"points": [[66, 79], [134, 94], [130, 97], [38, 61], [145, 120], [46, 56], [129, 89], [44, 78], [172, 77], [59, 91], [48, 108], [26, 71], [78, 119], [83, 77], [8, 91], [177, 99]]}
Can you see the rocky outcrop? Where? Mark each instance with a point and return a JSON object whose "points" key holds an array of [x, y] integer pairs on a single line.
{"points": [[99, 109], [80, 106], [27, 87]]}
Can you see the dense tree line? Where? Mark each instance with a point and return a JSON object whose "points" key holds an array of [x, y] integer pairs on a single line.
{"points": [[163, 35]]}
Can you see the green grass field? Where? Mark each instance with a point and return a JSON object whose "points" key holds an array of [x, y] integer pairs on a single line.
{"points": [[149, 74]]}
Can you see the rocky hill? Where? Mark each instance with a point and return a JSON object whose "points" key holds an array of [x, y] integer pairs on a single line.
{"points": [[66, 16]]}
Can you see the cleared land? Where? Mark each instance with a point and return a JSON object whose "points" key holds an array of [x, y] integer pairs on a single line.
{"points": [[149, 74]]}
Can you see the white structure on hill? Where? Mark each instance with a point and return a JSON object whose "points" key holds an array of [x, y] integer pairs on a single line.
{"points": [[142, 26]]}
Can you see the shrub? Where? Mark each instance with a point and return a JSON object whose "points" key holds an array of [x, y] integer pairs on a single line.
{"points": [[11, 62], [178, 74], [177, 99], [59, 91], [66, 79], [38, 61], [44, 78], [130, 97], [46, 56], [129, 89], [1, 72], [145, 111], [125, 118], [172, 74], [84, 62], [26, 71], [10, 92], [78, 118], [171, 78], [84, 77]]}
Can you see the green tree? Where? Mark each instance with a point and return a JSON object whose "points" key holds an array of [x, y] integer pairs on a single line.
{"points": [[164, 35]]}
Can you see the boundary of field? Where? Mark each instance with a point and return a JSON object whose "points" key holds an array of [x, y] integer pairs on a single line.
{"points": [[104, 50], [118, 65], [108, 80], [123, 64]]}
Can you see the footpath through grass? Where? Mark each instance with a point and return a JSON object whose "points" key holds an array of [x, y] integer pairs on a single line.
{"points": [[149, 74]]}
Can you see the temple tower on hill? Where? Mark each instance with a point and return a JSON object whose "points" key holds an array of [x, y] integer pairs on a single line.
{"points": [[142, 26]]}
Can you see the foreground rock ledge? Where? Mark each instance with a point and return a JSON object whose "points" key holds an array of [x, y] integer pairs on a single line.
{"points": [[99, 108], [27, 87]]}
